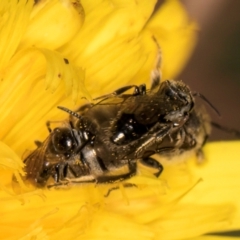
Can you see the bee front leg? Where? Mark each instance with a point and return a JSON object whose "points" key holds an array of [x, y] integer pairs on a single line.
{"points": [[60, 172], [60, 184], [38, 143], [48, 125], [138, 90], [126, 185]]}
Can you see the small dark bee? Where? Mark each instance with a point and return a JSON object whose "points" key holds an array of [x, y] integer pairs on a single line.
{"points": [[102, 142]]}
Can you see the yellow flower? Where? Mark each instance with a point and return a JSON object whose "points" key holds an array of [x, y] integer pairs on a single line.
{"points": [[48, 50]]}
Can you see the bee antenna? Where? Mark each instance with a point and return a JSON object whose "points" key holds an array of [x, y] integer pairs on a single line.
{"points": [[70, 112], [196, 94]]}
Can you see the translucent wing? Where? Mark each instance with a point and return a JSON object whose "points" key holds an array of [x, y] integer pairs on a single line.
{"points": [[35, 161]]}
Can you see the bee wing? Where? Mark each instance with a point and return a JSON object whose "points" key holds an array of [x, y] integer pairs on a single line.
{"points": [[146, 108], [113, 100], [135, 102], [34, 162]]}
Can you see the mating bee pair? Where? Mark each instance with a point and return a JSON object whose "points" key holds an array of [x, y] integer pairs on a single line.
{"points": [[120, 129]]}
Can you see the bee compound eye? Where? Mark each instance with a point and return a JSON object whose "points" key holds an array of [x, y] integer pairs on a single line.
{"points": [[62, 140]]}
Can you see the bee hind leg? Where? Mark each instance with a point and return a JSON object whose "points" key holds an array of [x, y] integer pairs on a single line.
{"points": [[152, 163], [67, 182], [118, 178]]}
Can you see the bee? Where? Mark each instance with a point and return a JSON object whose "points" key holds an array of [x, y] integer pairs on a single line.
{"points": [[118, 131]]}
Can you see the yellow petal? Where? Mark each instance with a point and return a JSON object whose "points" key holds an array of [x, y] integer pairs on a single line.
{"points": [[105, 72], [59, 68], [106, 21], [176, 34], [215, 238], [23, 87], [53, 23], [221, 179], [115, 53], [108, 45], [14, 19], [146, 211], [9, 160]]}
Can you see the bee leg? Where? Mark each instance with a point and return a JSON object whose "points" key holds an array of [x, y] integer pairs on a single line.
{"points": [[68, 182], [117, 187], [200, 156], [110, 190], [152, 163], [60, 172], [38, 143], [138, 90], [56, 185], [153, 139], [199, 152], [48, 123], [156, 73], [118, 178]]}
